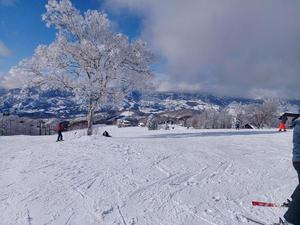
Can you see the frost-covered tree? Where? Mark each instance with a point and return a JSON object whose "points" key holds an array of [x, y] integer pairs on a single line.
{"points": [[208, 118], [263, 115], [152, 123], [87, 58], [211, 119], [241, 117], [224, 120]]}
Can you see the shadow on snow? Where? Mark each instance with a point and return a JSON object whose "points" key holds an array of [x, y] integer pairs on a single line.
{"points": [[209, 134]]}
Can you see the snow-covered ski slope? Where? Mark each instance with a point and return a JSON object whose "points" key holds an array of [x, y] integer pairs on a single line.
{"points": [[139, 177]]}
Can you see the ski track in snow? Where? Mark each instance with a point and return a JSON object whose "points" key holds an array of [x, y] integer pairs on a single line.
{"points": [[140, 177]]}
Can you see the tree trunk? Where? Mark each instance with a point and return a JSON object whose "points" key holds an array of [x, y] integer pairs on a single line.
{"points": [[90, 118]]}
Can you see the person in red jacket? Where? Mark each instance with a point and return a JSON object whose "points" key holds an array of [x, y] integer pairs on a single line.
{"points": [[60, 129], [282, 123]]}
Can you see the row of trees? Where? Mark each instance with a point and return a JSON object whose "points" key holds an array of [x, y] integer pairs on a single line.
{"points": [[87, 58], [14, 125], [210, 118], [258, 115]]}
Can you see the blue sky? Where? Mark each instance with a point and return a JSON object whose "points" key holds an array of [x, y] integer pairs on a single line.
{"points": [[22, 29]]}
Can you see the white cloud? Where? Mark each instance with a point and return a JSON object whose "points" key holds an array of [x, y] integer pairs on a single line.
{"points": [[4, 51], [12, 79], [229, 47]]}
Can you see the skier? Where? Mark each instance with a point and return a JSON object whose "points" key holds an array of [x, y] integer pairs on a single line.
{"points": [[237, 125], [282, 123], [60, 129], [292, 216]]}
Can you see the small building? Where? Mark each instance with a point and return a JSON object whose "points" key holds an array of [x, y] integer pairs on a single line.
{"points": [[123, 123], [78, 123], [291, 116]]}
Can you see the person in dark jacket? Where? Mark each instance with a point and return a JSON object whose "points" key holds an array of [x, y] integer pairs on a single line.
{"points": [[106, 134], [60, 129], [237, 125], [292, 215]]}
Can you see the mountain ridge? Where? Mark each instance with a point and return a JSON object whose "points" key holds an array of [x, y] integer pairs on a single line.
{"points": [[55, 103]]}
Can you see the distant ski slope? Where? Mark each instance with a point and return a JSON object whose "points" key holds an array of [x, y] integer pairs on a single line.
{"points": [[141, 177]]}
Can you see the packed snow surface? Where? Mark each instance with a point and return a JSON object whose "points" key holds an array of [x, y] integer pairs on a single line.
{"points": [[139, 177]]}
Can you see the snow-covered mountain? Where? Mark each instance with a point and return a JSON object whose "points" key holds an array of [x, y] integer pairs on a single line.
{"points": [[43, 104], [40, 104], [171, 101]]}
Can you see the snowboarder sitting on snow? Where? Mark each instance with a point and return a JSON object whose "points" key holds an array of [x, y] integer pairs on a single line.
{"points": [[282, 123], [106, 134], [60, 129], [292, 215]]}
